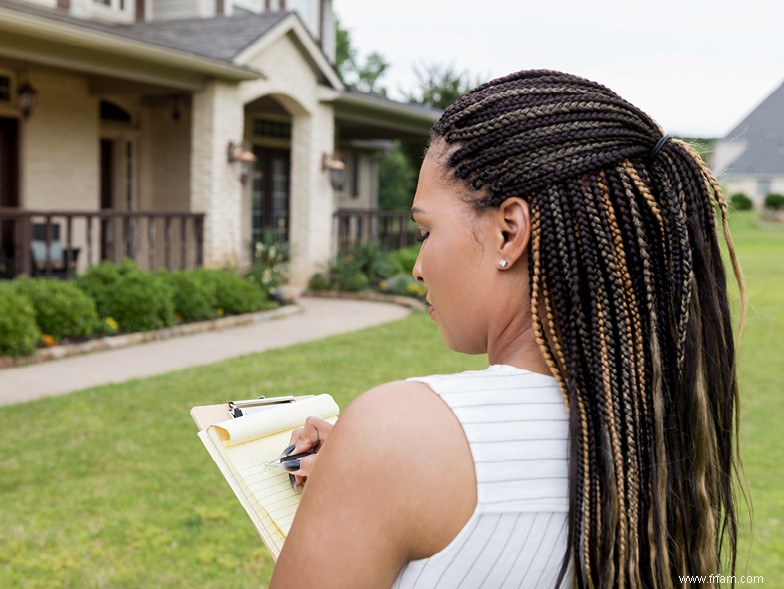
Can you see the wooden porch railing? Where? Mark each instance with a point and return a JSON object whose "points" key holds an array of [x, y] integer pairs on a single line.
{"points": [[389, 229], [152, 239]]}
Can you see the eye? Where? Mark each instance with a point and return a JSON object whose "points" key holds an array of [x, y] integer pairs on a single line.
{"points": [[423, 235]]}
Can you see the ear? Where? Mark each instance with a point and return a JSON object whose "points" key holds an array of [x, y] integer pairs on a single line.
{"points": [[513, 227]]}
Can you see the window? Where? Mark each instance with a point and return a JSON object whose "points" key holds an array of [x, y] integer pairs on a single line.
{"points": [[355, 164], [272, 128], [113, 4], [112, 112], [5, 88]]}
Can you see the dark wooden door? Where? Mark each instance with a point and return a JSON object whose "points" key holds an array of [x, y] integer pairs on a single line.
{"points": [[9, 189], [270, 200]]}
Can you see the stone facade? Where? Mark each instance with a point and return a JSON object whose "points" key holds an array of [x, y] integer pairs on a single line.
{"points": [[128, 124]]}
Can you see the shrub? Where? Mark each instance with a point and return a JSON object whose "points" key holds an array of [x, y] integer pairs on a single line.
{"points": [[404, 284], [270, 264], [740, 202], [353, 282], [98, 281], [137, 300], [193, 294], [362, 266], [19, 334], [61, 308], [402, 261], [774, 201], [370, 260], [319, 281], [235, 294]]}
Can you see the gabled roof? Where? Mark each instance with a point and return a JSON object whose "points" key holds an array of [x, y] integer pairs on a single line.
{"points": [[222, 44], [54, 37], [762, 132], [221, 37]]}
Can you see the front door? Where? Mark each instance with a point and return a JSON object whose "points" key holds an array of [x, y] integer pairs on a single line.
{"points": [[107, 197], [9, 189], [270, 196]]}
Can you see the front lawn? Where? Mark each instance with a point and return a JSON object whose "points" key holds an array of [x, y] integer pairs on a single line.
{"points": [[110, 487]]}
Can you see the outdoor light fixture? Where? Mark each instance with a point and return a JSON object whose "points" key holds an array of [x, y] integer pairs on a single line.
{"points": [[241, 156], [26, 95], [336, 168]]}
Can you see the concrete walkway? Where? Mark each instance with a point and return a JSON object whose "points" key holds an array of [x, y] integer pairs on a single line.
{"points": [[321, 317]]}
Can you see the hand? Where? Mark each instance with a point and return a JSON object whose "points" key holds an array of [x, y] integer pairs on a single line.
{"points": [[311, 436]]}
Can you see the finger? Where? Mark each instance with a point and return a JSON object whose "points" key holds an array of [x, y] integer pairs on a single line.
{"points": [[305, 466], [314, 433]]}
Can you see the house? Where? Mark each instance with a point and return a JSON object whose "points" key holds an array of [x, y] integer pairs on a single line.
{"points": [[181, 132], [750, 159]]}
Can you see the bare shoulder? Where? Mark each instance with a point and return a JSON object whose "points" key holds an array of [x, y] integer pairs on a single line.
{"points": [[408, 411], [394, 482], [412, 443]]}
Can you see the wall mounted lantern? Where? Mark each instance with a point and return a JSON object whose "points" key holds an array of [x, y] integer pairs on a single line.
{"points": [[242, 157], [337, 170], [26, 94]]}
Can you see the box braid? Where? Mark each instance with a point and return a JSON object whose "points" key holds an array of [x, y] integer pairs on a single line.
{"points": [[628, 294]]}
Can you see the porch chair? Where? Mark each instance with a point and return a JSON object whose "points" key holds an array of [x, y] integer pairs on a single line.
{"points": [[56, 260]]}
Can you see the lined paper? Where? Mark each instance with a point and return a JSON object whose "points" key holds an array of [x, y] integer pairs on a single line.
{"points": [[266, 495]]}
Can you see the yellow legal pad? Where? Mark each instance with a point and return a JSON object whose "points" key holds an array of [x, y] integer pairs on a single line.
{"points": [[242, 446]]}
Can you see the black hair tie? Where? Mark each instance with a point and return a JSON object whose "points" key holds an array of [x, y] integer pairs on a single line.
{"points": [[658, 147]]}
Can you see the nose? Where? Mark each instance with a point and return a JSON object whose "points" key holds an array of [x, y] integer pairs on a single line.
{"points": [[416, 272]]}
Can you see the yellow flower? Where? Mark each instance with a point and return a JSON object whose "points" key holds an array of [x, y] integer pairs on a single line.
{"points": [[111, 323], [48, 340], [220, 311]]}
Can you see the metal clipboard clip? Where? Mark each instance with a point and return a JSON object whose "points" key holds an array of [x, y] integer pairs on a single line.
{"points": [[245, 407]]}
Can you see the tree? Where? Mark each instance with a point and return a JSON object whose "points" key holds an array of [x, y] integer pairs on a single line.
{"points": [[365, 77], [397, 181], [440, 85], [345, 54]]}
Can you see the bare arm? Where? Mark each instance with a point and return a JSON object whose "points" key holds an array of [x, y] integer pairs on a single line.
{"points": [[393, 483]]}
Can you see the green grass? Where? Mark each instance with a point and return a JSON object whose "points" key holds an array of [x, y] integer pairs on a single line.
{"points": [[761, 354], [110, 487]]}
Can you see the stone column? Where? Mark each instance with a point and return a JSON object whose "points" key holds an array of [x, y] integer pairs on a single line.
{"points": [[312, 197], [215, 189]]}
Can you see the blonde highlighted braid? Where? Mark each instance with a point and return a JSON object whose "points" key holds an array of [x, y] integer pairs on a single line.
{"points": [[628, 293]]}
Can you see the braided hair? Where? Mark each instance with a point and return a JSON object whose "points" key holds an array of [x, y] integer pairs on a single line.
{"points": [[629, 299]]}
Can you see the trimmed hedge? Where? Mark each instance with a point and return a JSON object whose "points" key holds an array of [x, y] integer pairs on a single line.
{"points": [[135, 299], [740, 202], [193, 293], [109, 298], [61, 308], [774, 201], [19, 334], [235, 294]]}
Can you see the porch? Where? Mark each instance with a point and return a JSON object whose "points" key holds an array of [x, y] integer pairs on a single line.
{"points": [[58, 243], [389, 229]]}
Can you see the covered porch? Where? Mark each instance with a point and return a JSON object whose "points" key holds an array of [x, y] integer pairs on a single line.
{"points": [[54, 243]]}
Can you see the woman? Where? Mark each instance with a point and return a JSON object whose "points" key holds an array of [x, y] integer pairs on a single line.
{"points": [[572, 242]]}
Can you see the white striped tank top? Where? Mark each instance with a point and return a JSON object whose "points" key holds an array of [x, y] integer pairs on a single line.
{"points": [[517, 428]]}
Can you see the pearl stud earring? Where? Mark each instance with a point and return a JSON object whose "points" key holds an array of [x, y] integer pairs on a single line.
{"points": [[503, 263]]}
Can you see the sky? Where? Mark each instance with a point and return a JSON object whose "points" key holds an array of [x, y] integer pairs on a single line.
{"points": [[696, 66]]}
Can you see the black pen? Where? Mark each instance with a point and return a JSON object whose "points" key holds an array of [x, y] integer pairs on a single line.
{"points": [[281, 462]]}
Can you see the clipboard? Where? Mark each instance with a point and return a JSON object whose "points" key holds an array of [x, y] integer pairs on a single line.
{"points": [[243, 446], [207, 415]]}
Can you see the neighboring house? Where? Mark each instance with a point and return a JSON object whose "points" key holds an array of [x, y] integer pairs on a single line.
{"points": [[750, 159], [226, 115]]}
